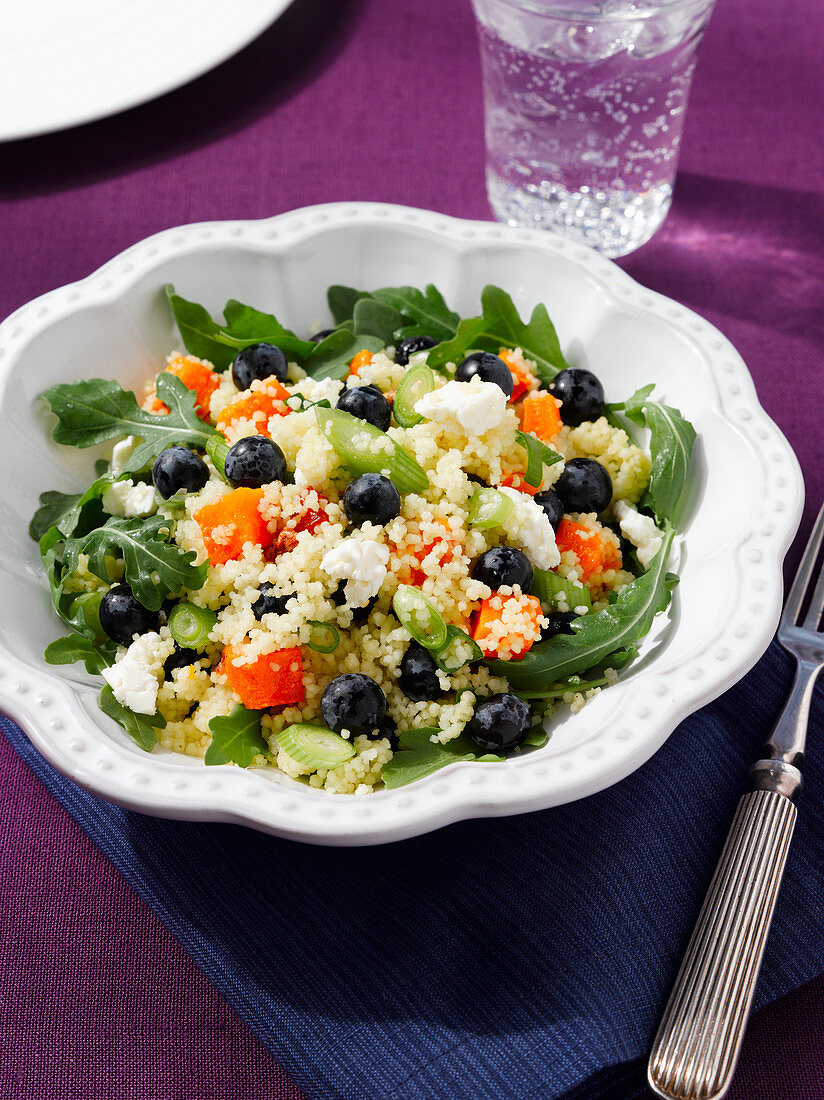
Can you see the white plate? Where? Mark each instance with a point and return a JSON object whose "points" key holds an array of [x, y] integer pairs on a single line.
{"points": [[66, 62], [744, 503]]}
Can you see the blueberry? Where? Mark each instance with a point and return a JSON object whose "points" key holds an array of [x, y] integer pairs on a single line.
{"points": [[122, 615], [353, 702], [319, 337], [257, 362], [580, 393], [584, 486], [489, 368], [254, 461], [268, 603], [179, 468], [419, 675], [409, 345], [181, 658], [625, 546], [366, 403], [503, 565], [359, 614], [560, 622], [552, 506], [372, 498], [389, 730], [500, 722]]}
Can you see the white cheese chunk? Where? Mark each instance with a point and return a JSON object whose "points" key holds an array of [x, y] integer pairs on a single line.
{"points": [[133, 679], [126, 499], [529, 527], [640, 530], [121, 453], [362, 563], [475, 406]]}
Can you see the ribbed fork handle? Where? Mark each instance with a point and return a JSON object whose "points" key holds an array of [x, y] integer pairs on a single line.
{"points": [[697, 1045]]}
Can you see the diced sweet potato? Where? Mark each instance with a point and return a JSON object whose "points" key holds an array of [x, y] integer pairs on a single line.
{"points": [[593, 552], [230, 522], [507, 625], [541, 416], [519, 482], [523, 379], [259, 407], [273, 680], [363, 357], [198, 378]]}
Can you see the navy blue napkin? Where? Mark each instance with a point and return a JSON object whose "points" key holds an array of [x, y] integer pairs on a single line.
{"points": [[509, 958]]}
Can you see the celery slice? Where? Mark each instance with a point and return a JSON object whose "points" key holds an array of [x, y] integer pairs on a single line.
{"points": [[315, 746], [366, 449], [488, 507], [417, 381], [190, 625]]}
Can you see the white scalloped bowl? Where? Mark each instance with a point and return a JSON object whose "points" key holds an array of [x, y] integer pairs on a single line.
{"points": [[744, 500]]}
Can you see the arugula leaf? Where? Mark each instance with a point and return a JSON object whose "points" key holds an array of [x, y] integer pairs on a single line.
{"points": [[342, 301], [501, 326], [236, 738], [332, 356], [374, 318], [426, 308], [536, 738], [155, 567], [598, 635], [538, 455], [244, 325], [672, 438], [99, 409], [65, 651], [419, 756], [140, 727], [64, 510]]}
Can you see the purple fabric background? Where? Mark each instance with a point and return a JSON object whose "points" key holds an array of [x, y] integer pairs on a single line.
{"points": [[370, 99]]}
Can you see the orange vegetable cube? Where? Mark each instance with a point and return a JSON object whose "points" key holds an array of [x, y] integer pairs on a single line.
{"points": [[507, 626], [363, 357], [273, 680], [523, 380], [259, 407], [231, 521], [152, 403], [541, 415], [594, 553], [517, 481], [198, 378]]}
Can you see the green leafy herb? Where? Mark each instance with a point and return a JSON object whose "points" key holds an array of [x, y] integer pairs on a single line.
{"points": [[426, 309], [500, 326], [671, 442], [95, 656], [98, 410], [598, 635], [243, 325], [373, 318], [236, 738], [538, 455], [155, 566], [536, 738], [331, 357], [64, 510], [342, 301], [140, 727], [419, 756]]}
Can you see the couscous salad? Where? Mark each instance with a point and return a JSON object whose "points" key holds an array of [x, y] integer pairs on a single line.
{"points": [[361, 555]]}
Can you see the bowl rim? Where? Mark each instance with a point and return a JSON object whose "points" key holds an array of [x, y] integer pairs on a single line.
{"points": [[47, 707]]}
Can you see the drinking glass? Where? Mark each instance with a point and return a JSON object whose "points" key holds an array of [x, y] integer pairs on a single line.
{"points": [[584, 105]]}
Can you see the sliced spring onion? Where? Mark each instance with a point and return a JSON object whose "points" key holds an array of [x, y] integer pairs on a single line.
{"points": [[315, 746], [538, 455], [417, 381], [324, 637], [217, 448], [488, 507], [548, 587], [366, 449], [88, 607], [458, 650], [420, 617], [190, 626]]}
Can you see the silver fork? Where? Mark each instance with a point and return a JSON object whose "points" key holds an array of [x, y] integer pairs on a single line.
{"points": [[699, 1038]]}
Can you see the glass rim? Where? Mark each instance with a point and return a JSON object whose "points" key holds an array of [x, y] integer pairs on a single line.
{"points": [[557, 9]]}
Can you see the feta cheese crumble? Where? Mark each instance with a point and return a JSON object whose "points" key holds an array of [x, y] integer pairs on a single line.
{"points": [[121, 453], [362, 563], [640, 530], [476, 406], [132, 679], [529, 526], [128, 500]]}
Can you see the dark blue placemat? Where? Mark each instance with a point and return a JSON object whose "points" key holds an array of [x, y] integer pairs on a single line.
{"points": [[516, 957]]}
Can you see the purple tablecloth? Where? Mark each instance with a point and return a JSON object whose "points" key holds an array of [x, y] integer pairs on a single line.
{"points": [[369, 99]]}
